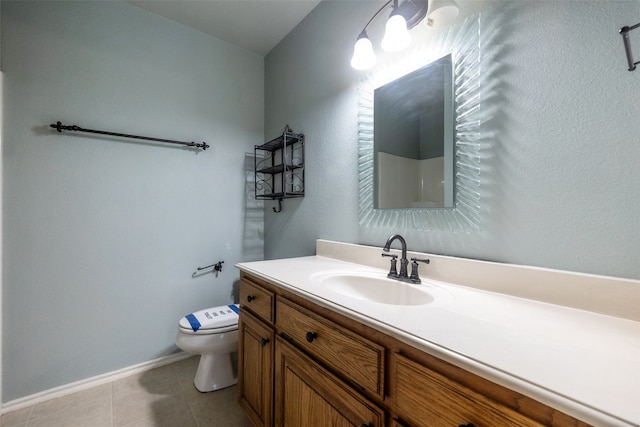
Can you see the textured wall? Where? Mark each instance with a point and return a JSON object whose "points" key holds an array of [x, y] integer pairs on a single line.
{"points": [[102, 235], [561, 139]]}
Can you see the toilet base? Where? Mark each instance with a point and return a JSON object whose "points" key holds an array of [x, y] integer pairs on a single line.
{"points": [[216, 371]]}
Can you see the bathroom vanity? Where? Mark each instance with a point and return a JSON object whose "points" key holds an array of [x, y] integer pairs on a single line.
{"points": [[317, 348]]}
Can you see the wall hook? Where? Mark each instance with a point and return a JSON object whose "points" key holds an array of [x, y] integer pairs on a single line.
{"points": [[279, 206]]}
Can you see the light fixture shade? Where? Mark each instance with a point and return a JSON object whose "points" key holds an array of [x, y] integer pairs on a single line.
{"points": [[363, 55], [442, 13], [396, 34]]}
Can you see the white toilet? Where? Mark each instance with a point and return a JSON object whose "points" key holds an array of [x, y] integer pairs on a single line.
{"points": [[212, 333]]}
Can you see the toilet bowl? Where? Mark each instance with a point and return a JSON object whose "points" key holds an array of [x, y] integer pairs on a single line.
{"points": [[213, 334]]}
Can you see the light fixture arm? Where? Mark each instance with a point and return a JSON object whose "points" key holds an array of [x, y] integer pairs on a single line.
{"points": [[364, 30], [405, 16]]}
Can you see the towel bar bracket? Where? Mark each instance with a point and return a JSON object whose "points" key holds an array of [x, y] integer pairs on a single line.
{"points": [[624, 32]]}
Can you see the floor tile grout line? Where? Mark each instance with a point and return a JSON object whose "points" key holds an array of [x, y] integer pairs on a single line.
{"points": [[184, 395], [29, 417]]}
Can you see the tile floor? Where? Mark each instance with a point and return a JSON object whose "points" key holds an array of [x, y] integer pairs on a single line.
{"points": [[161, 397]]}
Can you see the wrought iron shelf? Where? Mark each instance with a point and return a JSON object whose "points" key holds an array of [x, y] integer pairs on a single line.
{"points": [[275, 196], [279, 168], [278, 143]]}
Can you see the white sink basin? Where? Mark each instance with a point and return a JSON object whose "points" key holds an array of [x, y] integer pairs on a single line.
{"points": [[374, 288]]}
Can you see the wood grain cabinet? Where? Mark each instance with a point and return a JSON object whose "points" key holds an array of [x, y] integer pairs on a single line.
{"points": [[350, 355], [302, 365], [255, 354], [425, 398], [257, 300], [309, 395]]}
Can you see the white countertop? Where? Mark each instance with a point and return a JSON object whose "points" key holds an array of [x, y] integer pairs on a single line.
{"points": [[579, 362]]}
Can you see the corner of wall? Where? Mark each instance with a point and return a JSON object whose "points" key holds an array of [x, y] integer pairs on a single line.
{"points": [[1, 221]]}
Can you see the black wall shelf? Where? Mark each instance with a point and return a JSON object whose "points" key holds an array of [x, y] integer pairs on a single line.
{"points": [[279, 168]]}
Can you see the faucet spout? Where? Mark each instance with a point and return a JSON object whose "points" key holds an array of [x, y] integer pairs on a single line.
{"points": [[403, 261]]}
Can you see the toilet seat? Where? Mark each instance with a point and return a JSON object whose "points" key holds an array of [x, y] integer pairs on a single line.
{"points": [[213, 320], [210, 331]]}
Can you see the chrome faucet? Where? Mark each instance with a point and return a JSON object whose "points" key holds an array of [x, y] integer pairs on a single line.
{"points": [[402, 276]]}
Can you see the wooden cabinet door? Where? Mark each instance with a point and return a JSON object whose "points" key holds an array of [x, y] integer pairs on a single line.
{"points": [[255, 369], [308, 395]]}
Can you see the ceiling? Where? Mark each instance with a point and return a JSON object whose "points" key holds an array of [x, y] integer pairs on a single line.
{"points": [[255, 25]]}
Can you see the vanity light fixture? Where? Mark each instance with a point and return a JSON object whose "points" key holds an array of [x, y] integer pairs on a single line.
{"points": [[363, 55], [396, 34], [442, 13], [405, 16]]}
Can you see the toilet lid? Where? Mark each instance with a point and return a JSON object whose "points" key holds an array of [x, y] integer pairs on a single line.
{"points": [[211, 318]]}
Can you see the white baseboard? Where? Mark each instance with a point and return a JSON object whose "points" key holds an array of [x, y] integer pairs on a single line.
{"points": [[87, 383]]}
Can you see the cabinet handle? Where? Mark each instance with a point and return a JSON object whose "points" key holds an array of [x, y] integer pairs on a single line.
{"points": [[264, 341], [311, 336], [466, 425], [250, 298]]}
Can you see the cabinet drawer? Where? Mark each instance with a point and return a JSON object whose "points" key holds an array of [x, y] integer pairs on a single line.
{"points": [[257, 300], [426, 398], [346, 353]]}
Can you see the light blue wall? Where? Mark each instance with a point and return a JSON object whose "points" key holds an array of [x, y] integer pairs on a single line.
{"points": [[102, 235], [561, 139]]}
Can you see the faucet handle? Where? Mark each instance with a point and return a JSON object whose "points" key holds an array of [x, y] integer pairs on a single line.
{"points": [[414, 278], [393, 272]]}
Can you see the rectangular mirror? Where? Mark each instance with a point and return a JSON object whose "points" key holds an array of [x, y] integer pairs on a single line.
{"points": [[414, 139], [460, 180]]}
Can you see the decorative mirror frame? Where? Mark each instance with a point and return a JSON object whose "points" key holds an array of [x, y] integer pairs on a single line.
{"points": [[463, 43]]}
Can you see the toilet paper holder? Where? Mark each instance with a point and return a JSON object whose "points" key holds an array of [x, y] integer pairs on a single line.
{"points": [[217, 267]]}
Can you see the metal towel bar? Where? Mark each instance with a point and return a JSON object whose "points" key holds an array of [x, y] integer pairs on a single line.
{"points": [[60, 127]]}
